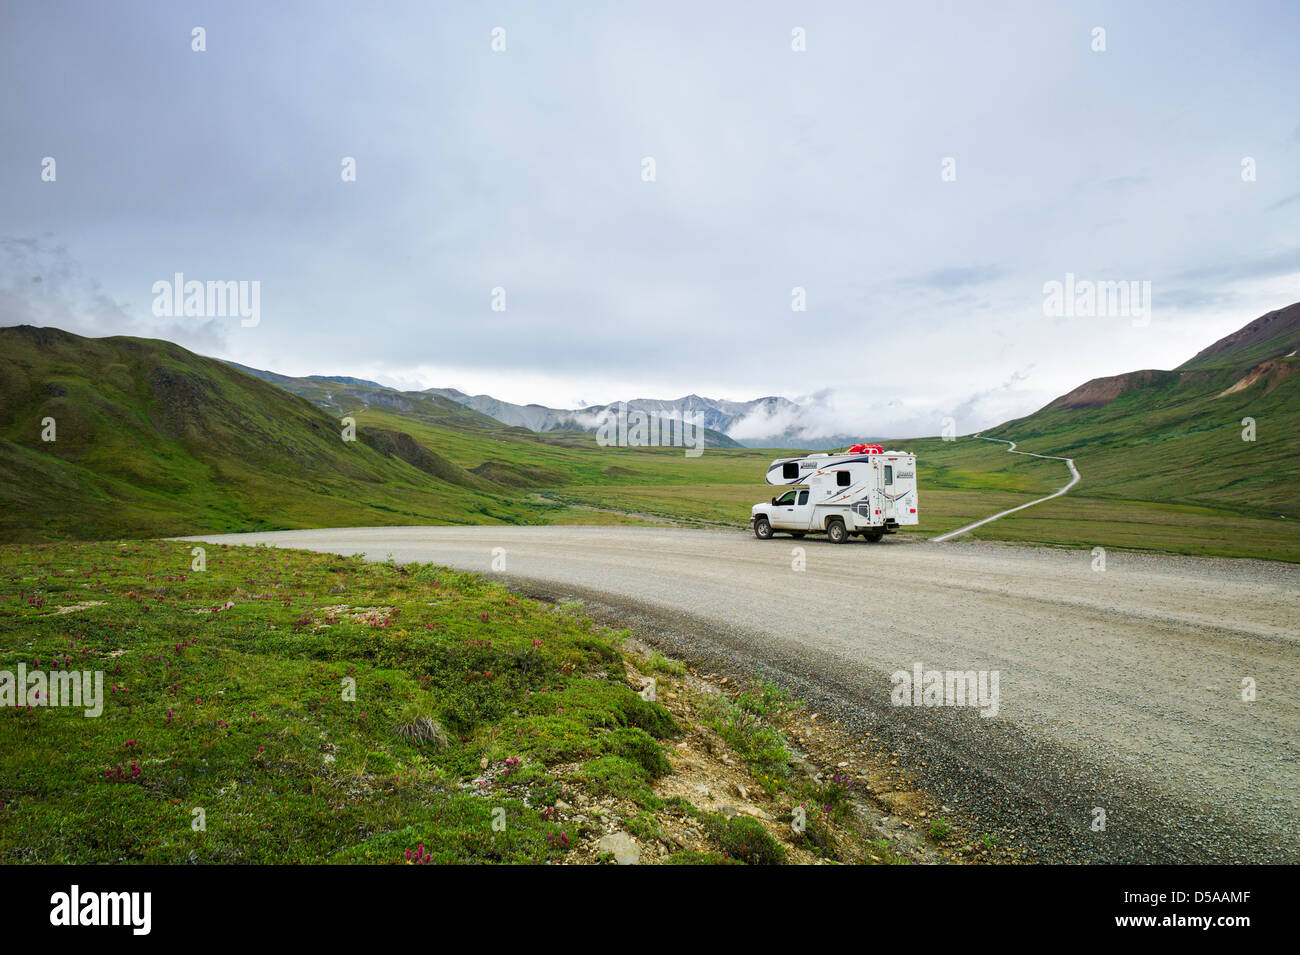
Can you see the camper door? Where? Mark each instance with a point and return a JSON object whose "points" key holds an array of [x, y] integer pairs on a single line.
{"points": [[887, 469], [899, 481]]}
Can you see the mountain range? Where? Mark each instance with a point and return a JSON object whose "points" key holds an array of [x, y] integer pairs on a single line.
{"points": [[760, 423], [339, 392], [155, 440], [715, 414]]}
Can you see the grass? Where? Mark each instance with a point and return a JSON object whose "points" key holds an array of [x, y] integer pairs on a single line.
{"points": [[656, 662], [1145, 526], [227, 691], [747, 726], [1091, 514], [287, 707], [744, 840]]}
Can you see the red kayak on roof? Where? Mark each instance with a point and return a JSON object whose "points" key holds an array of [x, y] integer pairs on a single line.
{"points": [[866, 449]]}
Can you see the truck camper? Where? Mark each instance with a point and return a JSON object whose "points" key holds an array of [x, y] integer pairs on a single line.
{"points": [[865, 491]]}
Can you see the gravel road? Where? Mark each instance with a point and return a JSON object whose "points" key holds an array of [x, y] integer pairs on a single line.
{"points": [[1118, 690]]}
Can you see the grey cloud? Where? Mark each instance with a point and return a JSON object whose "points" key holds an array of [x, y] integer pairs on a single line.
{"points": [[42, 284], [522, 170], [952, 279], [1240, 268], [969, 410]]}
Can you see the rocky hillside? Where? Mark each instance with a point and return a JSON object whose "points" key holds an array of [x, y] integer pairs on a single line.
{"points": [[1271, 336]]}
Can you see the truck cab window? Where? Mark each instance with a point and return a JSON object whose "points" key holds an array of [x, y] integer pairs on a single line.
{"points": [[803, 497], [786, 498]]}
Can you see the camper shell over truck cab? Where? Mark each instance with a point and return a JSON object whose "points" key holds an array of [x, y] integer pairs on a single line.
{"points": [[871, 492]]}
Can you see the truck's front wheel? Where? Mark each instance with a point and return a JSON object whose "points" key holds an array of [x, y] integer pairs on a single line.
{"points": [[835, 531], [762, 529]]}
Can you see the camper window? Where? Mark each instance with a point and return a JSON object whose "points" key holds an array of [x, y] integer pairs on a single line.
{"points": [[842, 478], [790, 470], [889, 474]]}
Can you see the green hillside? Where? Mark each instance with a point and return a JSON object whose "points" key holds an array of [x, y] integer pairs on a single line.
{"points": [[1162, 454], [151, 439], [1176, 436], [344, 397]]}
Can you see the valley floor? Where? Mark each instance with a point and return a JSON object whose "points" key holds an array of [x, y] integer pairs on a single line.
{"points": [[1075, 520]]}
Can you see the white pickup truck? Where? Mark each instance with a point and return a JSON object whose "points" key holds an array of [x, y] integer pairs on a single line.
{"points": [[870, 493]]}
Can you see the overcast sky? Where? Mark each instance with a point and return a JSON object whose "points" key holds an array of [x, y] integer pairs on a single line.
{"points": [[774, 169]]}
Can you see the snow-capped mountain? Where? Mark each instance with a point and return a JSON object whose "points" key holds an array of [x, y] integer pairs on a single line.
{"points": [[716, 414]]}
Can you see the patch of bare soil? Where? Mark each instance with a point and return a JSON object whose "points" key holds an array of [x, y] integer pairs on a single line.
{"points": [[367, 615], [84, 605]]}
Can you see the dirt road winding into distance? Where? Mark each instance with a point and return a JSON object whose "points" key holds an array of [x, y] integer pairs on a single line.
{"points": [[1119, 690], [1074, 479]]}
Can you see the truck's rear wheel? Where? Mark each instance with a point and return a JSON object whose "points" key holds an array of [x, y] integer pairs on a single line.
{"points": [[835, 531], [762, 529]]}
